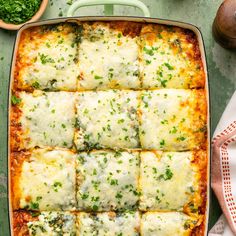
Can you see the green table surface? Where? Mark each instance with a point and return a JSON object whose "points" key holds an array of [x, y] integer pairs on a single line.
{"points": [[221, 67]]}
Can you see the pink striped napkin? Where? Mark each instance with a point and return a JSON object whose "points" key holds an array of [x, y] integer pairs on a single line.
{"points": [[223, 170]]}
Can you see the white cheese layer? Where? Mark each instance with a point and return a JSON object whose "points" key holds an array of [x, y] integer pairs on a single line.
{"points": [[47, 181], [53, 224], [167, 120], [108, 224], [107, 59], [166, 224], [166, 63], [167, 180], [48, 119], [51, 62], [107, 119], [107, 180]]}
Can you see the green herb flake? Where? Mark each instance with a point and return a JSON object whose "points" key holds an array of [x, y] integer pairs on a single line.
{"points": [[15, 100], [169, 66], [150, 52], [97, 77], [181, 138], [162, 142], [45, 58], [34, 205], [95, 207], [168, 174], [57, 185], [36, 85]]}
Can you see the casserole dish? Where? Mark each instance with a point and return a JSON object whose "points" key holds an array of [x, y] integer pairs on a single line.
{"points": [[24, 159]]}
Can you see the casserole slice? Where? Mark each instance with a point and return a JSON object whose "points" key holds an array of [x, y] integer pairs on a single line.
{"points": [[173, 119], [107, 119], [171, 58], [107, 180], [173, 181], [43, 119], [169, 224], [108, 56], [48, 223], [108, 223], [43, 180], [47, 58]]}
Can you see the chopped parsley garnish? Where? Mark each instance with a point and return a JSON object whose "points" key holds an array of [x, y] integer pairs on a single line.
{"points": [[84, 196], [95, 207], [119, 195], [181, 138], [162, 142], [148, 51], [97, 77], [34, 205], [18, 12], [168, 174], [57, 185], [15, 100], [36, 85], [169, 66], [45, 59], [114, 182]]}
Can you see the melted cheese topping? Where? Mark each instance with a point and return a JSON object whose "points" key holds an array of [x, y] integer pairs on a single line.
{"points": [[107, 59], [107, 180], [172, 119], [107, 119], [108, 224], [47, 59], [170, 58], [52, 174], [53, 224], [47, 119], [167, 224], [163, 174]]}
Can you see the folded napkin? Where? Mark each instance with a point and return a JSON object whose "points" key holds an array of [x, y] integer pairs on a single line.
{"points": [[223, 170]]}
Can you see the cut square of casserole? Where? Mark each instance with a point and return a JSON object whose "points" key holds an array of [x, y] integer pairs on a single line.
{"points": [[107, 180], [108, 57], [173, 119], [108, 223], [173, 181], [168, 224], [50, 223], [47, 58], [170, 58], [107, 119], [43, 119], [53, 223], [43, 179]]}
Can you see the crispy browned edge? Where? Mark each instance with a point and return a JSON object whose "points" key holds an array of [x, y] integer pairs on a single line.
{"points": [[150, 33], [198, 113], [20, 220], [17, 159], [201, 161], [16, 142], [132, 29]]}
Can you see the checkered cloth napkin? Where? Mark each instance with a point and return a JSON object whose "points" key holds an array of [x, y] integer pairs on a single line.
{"points": [[223, 170]]}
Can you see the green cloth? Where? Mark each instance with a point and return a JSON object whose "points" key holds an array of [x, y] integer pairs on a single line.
{"points": [[221, 68]]}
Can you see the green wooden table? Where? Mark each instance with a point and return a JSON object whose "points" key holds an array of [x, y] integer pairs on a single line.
{"points": [[221, 67]]}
